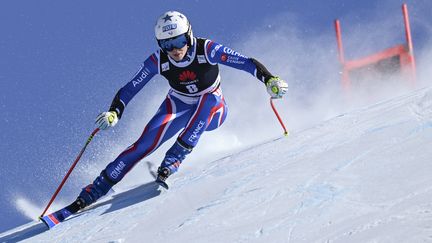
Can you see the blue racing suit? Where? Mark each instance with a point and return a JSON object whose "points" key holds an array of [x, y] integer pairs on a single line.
{"points": [[194, 104]]}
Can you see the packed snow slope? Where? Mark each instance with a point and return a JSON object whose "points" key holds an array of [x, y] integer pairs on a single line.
{"points": [[364, 176]]}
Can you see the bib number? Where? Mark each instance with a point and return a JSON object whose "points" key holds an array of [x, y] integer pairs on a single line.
{"points": [[192, 88]]}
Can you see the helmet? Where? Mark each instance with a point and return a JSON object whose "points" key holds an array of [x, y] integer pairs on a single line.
{"points": [[172, 24]]}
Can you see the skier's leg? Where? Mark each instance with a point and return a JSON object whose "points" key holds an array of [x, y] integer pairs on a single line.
{"points": [[164, 125], [210, 113], [219, 114]]}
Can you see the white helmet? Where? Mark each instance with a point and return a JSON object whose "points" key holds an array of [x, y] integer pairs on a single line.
{"points": [[172, 24]]}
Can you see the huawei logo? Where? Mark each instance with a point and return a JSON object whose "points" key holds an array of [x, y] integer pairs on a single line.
{"points": [[187, 76]]}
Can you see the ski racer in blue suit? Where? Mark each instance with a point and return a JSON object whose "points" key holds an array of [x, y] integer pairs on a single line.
{"points": [[193, 105]]}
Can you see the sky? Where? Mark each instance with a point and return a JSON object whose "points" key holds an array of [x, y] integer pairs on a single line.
{"points": [[61, 63]]}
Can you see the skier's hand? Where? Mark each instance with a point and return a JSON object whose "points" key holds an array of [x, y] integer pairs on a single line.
{"points": [[276, 87], [106, 119]]}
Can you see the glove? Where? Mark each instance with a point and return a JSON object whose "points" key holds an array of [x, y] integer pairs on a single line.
{"points": [[276, 87], [106, 119]]}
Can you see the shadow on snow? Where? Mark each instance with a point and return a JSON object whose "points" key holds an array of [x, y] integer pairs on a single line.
{"points": [[118, 201]]}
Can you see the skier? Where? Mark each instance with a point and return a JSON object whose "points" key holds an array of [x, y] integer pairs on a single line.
{"points": [[193, 105]]}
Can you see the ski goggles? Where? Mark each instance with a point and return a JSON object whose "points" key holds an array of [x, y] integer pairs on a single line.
{"points": [[173, 43]]}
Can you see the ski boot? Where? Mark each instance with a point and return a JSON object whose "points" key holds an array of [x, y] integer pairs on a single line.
{"points": [[173, 158], [163, 174], [100, 187]]}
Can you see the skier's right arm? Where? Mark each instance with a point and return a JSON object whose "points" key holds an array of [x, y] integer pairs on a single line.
{"points": [[148, 69]]}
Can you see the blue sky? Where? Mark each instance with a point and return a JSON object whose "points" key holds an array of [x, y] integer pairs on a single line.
{"points": [[61, 62]]}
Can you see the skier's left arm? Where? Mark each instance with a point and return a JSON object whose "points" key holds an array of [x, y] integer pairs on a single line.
{"points": [[217, 53]]}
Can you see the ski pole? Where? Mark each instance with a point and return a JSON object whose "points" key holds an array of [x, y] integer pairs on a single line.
{"points": [[70, 171], [278, 117]]}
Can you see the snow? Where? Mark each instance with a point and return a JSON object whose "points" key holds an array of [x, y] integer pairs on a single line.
{"points": [[363, 176]]}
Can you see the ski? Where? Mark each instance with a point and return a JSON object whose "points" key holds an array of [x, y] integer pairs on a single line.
{"points": [[154, 174], [78, 206], [162, 183], [53, 219]]}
